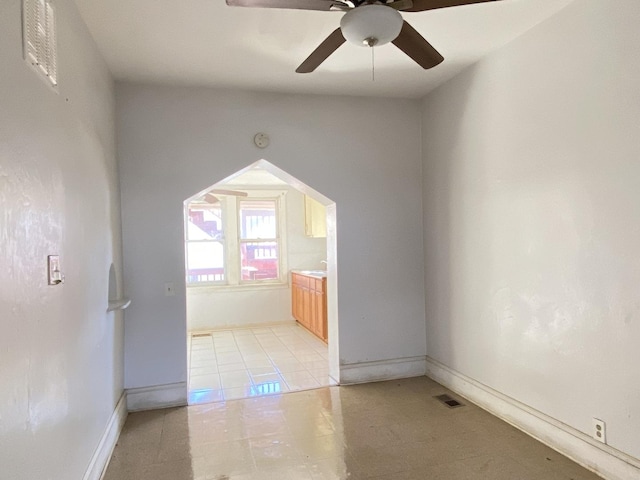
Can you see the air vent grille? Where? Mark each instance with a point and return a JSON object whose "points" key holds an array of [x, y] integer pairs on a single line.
{"points": [[39, 37], [449, 401]]}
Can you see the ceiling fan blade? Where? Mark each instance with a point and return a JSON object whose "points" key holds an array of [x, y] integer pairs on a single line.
{"points": [[400, 4], [293, 4], [212, 199], [422, 5], [414, 45], [320, 54], [235, 193]]}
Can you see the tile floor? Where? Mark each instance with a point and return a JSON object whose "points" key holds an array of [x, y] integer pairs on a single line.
{"points": [[250, 362], [392, 430]]}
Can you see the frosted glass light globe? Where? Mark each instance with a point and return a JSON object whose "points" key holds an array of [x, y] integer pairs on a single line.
{"points": [[371, 25]]}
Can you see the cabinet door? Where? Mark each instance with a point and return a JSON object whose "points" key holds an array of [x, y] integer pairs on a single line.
{"points": [[317, 313], [295, 297], [306, 307], [322, 315], [296, 294], [315, 218]]}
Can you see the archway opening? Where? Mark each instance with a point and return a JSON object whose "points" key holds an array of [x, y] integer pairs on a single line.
{"points": [[261, 281]]}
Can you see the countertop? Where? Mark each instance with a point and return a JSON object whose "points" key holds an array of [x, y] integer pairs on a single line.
{"points": [[312, 273]]}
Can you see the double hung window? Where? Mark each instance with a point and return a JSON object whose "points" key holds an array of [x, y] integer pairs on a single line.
{"points": [[235, 241], [259, 252]]}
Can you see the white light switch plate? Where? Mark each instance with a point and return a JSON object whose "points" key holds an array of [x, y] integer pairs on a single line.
{"points": [[55, 276]]}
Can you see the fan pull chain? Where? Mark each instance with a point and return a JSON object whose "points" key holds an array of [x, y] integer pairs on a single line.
{"points": [[373, 66]]}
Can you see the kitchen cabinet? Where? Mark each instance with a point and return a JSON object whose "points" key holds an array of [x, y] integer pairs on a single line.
{"points": [[315, 218], [309, 302]]}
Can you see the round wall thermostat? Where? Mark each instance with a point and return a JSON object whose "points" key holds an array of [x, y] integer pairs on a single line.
{"points": [[261, 140]]}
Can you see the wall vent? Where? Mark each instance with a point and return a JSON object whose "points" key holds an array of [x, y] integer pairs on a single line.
{"points": [[449, 401], [39, 37]]}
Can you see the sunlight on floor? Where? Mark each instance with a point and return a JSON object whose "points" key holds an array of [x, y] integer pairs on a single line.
{"points": [[254, 362]]}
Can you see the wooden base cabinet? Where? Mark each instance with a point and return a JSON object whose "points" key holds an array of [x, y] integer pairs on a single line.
{"points": [[309, 303]]}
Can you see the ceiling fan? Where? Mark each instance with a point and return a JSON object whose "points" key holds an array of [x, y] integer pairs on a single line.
{"points": [[367, 23]]}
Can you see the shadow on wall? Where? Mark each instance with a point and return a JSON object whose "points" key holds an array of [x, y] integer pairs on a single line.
{"points": [[441, 190]]}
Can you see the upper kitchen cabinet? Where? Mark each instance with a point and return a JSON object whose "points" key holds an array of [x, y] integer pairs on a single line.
{"points": [[315, 218]]}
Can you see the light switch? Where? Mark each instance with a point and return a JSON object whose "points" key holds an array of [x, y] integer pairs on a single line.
{"points": [[53, 267]]}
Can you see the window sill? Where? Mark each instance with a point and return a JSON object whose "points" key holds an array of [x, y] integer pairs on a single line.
{"points": [[207, 288]]}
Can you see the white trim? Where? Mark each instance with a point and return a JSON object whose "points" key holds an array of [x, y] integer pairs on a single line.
{"points": [[382, 370], [157, 396], [102, 455], [601, 459], [247, 326], [207, 288]]}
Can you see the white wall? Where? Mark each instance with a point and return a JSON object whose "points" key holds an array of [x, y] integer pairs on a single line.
{"points": [[214, 307], [362, 153], [61, 370], [532, 219]]}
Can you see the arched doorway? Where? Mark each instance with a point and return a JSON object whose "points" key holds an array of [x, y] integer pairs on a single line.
{"points": [[260, 249]]}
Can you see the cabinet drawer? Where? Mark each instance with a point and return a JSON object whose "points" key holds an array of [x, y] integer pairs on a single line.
{"points": [[300, 280]]}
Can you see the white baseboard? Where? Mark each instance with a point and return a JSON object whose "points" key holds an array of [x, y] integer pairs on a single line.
{"points": [[382, 370], [244, 326], [158, 396], [601, 459], [102, 454]]}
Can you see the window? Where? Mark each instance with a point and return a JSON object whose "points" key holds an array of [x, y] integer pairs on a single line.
{"points": [[234, 241], [258, 240], [205, 243], [39, 37]]}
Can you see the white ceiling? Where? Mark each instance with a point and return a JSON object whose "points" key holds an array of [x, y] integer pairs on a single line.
{"points": [[207, 43]]}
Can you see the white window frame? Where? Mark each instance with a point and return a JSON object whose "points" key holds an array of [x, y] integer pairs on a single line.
{"points": [[278, 208], [187, 241], [232, 240]]}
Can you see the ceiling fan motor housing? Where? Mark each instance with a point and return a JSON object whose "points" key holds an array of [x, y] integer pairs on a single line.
{"points": [[370, 25]]}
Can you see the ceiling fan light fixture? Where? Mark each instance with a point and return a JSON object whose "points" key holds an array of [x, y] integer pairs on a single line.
{"points": [[370, 25]]}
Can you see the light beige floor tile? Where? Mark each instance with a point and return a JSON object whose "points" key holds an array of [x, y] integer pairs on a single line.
{"points": [[319, 373], [261, 330], [232, 367], [262, 369], [288, 366], [267, 378], [253, 354], [300, 380], [258, 363], [316, 364], [222, 334], [225, 345], [205, 395], [252, 351], [198, 382], [227, 349], [235, 379], [227, 358], [203, 355], [203, 370], [235, 393]]}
